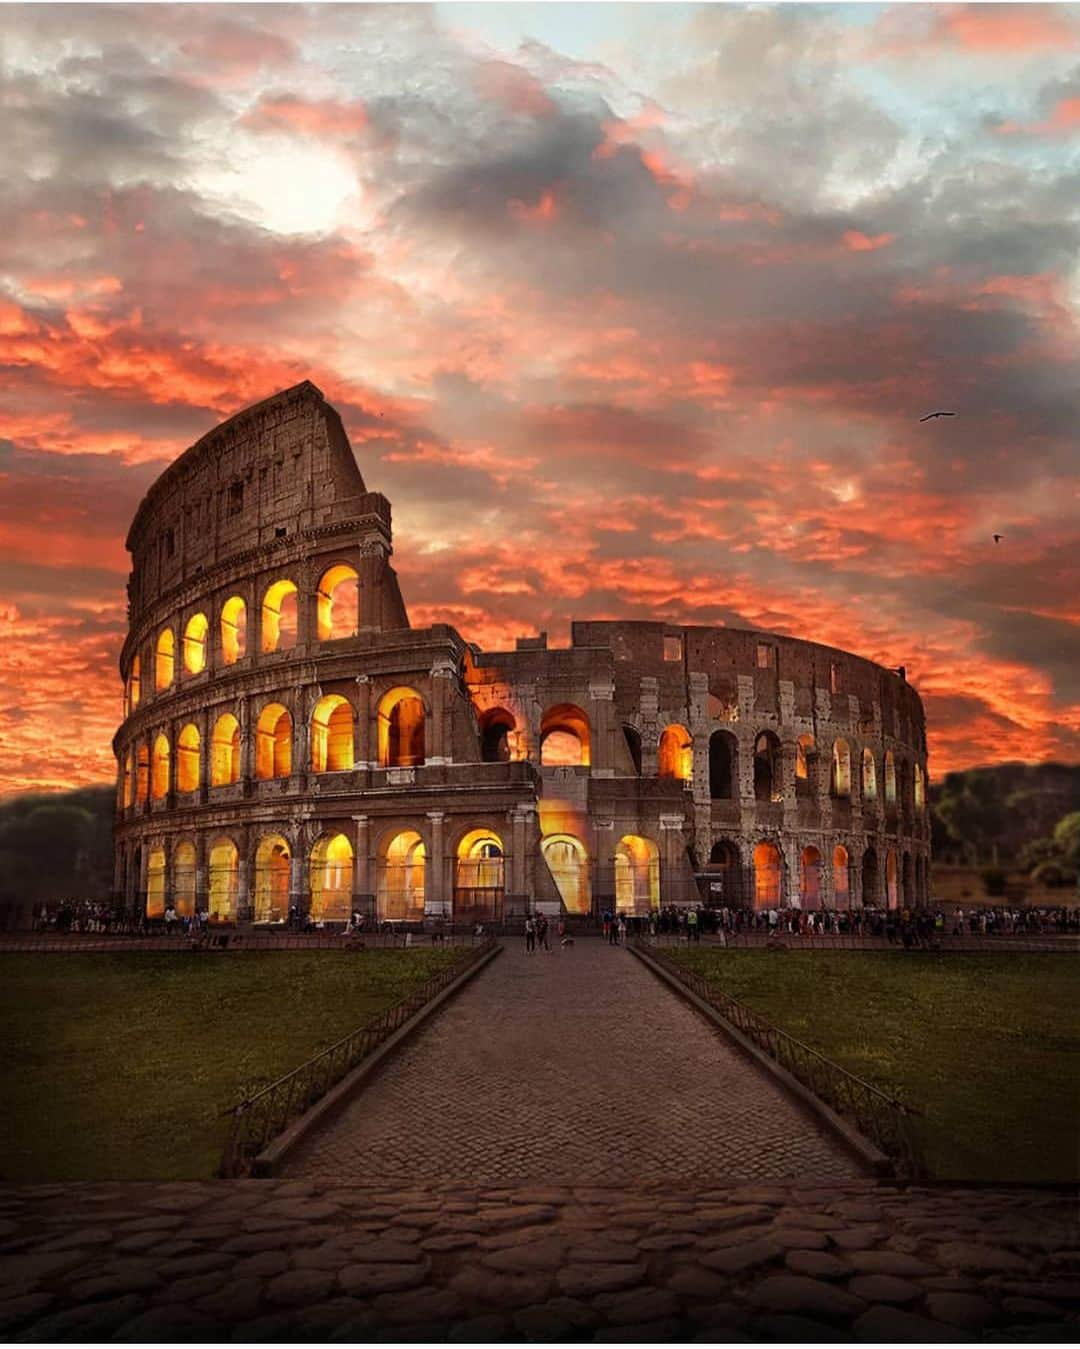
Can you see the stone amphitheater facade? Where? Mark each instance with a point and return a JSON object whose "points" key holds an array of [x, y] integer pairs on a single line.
{"points": [[290, 743]]}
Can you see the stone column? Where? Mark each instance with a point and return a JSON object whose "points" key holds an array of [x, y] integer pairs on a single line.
{"points": [[436, 901], [299, 888], [202, 886], [245, 847], [673, 861], [440, 747], [303, 706], [362, 755], [202, 721], [517, 820], [362, 891], [144, 867], [603, 894], [602, 720], [649, 707], [248, 742]]}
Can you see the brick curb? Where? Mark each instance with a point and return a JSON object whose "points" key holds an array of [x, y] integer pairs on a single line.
{"points": [[269, 1161], [869, 1154]]}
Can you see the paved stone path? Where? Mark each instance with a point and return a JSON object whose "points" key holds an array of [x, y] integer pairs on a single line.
{"points": [[574, 1065], [295, 1260]]}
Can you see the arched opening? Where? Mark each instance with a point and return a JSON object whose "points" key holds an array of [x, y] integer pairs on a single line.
{"points": [[155, 883], [332, 735], [841, 768], [768, 785], [233, 630], [142, 775], [225, 751], [724, 875], [810, 879], [134, 686], [224, 881], [400, 727], [675, 758], [908, 881], [187, 759], [279, 617], [273, 743], [127, 790], [637, 875], [564, 736], [159, 769], [840, 882], [568, 863], [184, 879], [272, 862], [920, 787], [496, 724], [479, 877], [890, 778], [338, 603], [165, 659], [721, 766], [767, 876], [633, 747], [892, 889], [869, 776], [804, 748], [723, 701], [195, 643], [401, 875], [870, 896]]}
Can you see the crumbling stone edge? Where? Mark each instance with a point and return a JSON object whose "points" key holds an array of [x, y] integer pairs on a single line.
{"points": [[269, 1161], [878, 1163]]}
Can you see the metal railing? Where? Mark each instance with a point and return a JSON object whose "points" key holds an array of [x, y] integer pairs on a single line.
{"points": [[882, 1118], [1028, 943], [260, 1117], [382, 936]]}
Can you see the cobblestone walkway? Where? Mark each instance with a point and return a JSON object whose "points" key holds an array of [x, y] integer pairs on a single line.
{"points": [[575, 1065], [296, 1260]]}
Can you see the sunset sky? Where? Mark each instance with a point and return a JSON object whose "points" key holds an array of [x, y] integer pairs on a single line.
{"points": [[631, 311]]}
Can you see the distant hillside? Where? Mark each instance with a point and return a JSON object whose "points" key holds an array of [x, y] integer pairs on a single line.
{"points": [[988, 816], [57, 846]]}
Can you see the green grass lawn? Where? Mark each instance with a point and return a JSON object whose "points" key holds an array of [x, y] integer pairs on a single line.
{"points": [[119, 1066], [988, 1046]]}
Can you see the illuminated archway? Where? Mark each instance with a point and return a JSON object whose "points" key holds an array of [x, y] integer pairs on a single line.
{"points": [[159, 769], [195, 643], [891, 880], [400, 729], [272, 860], [496, 726], [273, 743], [804, 747], [338, 603], [400, 881], [920, 787], [224, 880], [225, 751], [332, 735], [869, 775], [155, 883], [142, 774], [637, 875], [184, 879], [841, 768], [127, 791], [767, 876], [187, 759], [279, 617], [564, 736], [568, 863], [479, 876], [675, 758], [810, 879], [164, 659], [768, 779], [840, 882], [134, 686], [890, 778], [724, 875], [233, 630]]}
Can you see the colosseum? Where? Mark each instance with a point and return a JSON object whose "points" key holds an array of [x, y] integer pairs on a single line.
{"points": [[292, 749]]}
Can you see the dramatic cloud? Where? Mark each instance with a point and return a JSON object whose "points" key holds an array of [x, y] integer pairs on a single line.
{"points": [[639, 328]]}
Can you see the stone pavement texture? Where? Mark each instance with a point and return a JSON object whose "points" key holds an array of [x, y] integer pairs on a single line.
{"points": [[281, 1260], [574, 1065]]}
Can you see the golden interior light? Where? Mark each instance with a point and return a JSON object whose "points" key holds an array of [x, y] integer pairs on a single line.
{"points": [[279, 617], [233, 630], [637, 875], [841, 768], [184, 879], [165, 659], [224, 880], [564, 736], [159, 769], [766, 876], [568, 863], [338, 603], [272, 862], [187, 759], [155, 884], [225, 751], [676, 753], [400, 729], [869, 775], [195, 643], [810, 878], [273, 744], [332, 735], [331, 879], [401, 876]]}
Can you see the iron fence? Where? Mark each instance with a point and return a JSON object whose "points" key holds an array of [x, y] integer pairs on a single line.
{"points": [[260, 1117], [882, 1118]]}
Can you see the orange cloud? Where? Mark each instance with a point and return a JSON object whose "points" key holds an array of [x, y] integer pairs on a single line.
{"points": [[307, 117], [857, 242]]}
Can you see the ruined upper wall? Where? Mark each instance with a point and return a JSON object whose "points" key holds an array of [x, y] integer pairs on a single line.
{"points": [[281, 466]]}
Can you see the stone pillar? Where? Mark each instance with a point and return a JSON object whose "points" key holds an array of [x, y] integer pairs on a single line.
{"points": [[602, 721], [362, 752], [436, 901], [248, 742], [649, 707], [144, 867], [363, 898], [370, 570], [202, 721], [518, 821], [299, 871], [441, 745], [202, 883], [673, 861], [603, 896], [304, 698]]}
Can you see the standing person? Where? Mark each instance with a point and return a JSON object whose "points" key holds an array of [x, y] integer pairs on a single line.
{"points": [[530, 935], [620, 934], [613, 930], [692, 933], [542, 933]]}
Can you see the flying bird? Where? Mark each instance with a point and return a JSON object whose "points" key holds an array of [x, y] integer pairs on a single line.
{"points": [[998, 538], [931, 415]]}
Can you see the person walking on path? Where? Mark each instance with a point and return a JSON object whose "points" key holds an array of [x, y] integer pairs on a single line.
{"points": [[530, 935], [620, 935], [542, 934], [692, 933]]}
